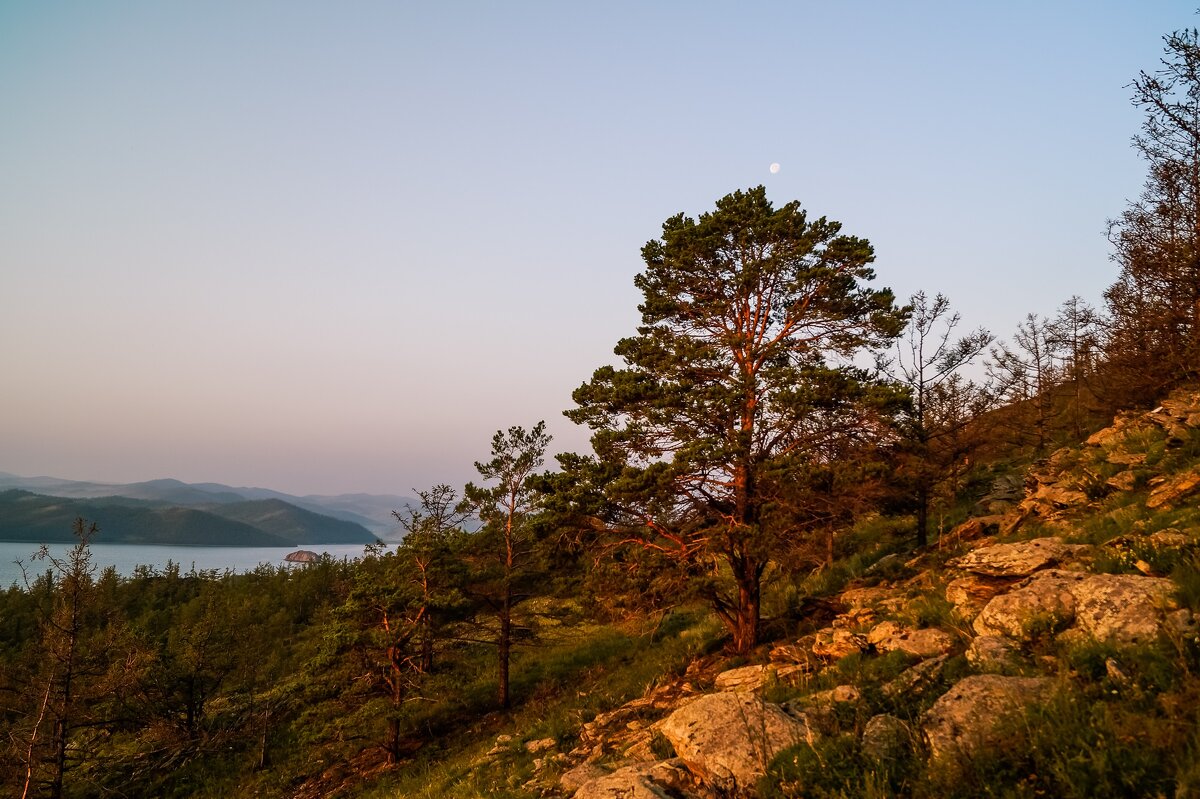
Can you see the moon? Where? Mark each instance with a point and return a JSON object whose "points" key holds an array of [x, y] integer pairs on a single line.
{"points": [[775, 168]]}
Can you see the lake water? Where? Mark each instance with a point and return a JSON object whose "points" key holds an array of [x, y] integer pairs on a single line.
{"points": [[125, 557]]}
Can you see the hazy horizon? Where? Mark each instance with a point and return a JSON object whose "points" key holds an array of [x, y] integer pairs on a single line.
{"points": [[328, 249], [7, 473]]}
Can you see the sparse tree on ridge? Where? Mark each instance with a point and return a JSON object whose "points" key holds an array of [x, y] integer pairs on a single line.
{"points": [[67, 681], [745, 312], [503, 548], [426, 552], [927, 363], [1154, 336], [1075, 331], [1024, 376]]}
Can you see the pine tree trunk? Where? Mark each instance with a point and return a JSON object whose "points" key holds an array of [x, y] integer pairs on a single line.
{"points": [[264, 757], [922, 516], [745, 634], [427, 646], [393, 741], [60, 758], [504, 647]]}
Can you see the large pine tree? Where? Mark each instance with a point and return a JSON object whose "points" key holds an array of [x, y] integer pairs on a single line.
{"points": [[746, 312]]}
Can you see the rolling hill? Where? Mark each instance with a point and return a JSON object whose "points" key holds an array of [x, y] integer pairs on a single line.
{"points": [[370, 511], [295, 524], [26, 516]]}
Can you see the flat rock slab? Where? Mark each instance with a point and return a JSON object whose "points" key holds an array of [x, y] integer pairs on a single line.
{"points": [[631, 782], [835, 643], [753, 678], [1170, 493], [1019, 559], [918, 679], [969, 715], [731, 737], [924, 643], [574, 779], [978, 527], [747, 678], [970, 594], [1122, 481]]}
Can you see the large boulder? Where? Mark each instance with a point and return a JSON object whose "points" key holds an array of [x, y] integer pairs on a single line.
{"points": [[731, 737], [1112, 608], [1121, 608], [1043, 603], [970, 715], [886, 738], [1014, 560], [992, 653]]}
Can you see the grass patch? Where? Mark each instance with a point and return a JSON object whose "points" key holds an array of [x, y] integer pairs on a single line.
{"points": [[559, 686], [834, 768], [1186, 576], [932, 610], [1069, 747]]}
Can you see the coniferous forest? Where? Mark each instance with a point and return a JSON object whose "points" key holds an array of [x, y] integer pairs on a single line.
{"points": [[786, 459]]}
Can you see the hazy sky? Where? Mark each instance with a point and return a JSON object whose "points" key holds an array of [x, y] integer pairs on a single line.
{"points": [[327, 247]]}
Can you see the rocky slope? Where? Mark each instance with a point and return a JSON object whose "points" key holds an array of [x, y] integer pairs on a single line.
{"points": [[938, 658]]}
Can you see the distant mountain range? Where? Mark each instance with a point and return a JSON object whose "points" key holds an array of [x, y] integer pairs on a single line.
{"points": [[173, 512]]}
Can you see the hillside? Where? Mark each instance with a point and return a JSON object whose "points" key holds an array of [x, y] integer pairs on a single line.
{"points": [[293, 524], [25, 516], [1047, 646], [370, 511], [31, 517], [168, 491], [1049, 649]]}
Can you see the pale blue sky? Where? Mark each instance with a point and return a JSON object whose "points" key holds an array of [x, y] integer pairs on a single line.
{"points": [[326, 247]]}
